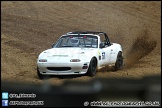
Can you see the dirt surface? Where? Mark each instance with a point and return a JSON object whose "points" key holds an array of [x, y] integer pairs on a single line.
{"points": [[28, 28]]}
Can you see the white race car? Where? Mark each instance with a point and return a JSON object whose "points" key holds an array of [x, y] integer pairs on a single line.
{"points": [[80, 53]]}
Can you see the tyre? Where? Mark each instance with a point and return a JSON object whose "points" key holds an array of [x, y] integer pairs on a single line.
{"points": [[92, 67], [119, 62], [39, 74]]}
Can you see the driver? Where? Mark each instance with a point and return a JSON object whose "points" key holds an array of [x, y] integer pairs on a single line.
{"points": [[74, 42]]}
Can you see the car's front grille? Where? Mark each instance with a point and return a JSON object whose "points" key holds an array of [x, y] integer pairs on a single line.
{"points": [[59, 68]]}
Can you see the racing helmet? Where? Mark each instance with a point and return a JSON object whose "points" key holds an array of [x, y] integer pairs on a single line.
{"points": [[74, 41]]}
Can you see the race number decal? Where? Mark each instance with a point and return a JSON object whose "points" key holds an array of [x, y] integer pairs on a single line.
{"points": [[103, 55]]}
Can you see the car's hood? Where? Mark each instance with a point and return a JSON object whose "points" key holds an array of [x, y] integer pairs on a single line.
{"points": [[67, 52]]}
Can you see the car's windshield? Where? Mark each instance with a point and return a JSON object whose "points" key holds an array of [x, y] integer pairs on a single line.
{"points": [[78, 41]]}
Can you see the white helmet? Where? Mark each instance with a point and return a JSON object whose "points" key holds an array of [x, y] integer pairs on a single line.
{"points": [[74, 42]]}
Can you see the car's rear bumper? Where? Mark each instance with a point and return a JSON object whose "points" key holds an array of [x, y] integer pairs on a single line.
{"points": [[62, 68]]}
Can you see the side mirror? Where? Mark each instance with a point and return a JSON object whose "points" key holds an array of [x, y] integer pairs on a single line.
{"points": [[102, 45], [53, 45]]}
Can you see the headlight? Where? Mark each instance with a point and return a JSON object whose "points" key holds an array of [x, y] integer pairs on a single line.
{"points": [[43, 60], [74, 60]]}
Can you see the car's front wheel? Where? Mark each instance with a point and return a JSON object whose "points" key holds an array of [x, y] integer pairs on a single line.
{"points": [[39, 74], [92, 67]]}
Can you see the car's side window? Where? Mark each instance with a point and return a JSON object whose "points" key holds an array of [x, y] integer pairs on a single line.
{"points": [[103, 39]]}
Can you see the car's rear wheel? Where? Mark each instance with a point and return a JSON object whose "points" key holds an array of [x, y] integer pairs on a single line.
{"points": [[119, 62], [92, 67]]}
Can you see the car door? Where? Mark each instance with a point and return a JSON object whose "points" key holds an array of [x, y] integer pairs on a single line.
{"points": [[104, 50], [105, 54], [110, 48]]}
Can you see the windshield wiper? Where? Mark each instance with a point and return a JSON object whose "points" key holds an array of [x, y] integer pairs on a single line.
{"points": [[89, 46], [66, 46]]}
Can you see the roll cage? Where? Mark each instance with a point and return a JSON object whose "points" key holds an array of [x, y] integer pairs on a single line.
{"points": [[107, 41]]}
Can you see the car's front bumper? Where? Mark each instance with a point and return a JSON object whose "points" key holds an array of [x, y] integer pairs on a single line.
{"points": [[75, 68]]}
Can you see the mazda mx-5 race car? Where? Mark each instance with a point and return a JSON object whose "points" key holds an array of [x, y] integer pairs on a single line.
{"points": [[80, 53]]}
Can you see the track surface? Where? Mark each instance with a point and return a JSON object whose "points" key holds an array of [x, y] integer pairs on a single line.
{"points": [[28, 28]]}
